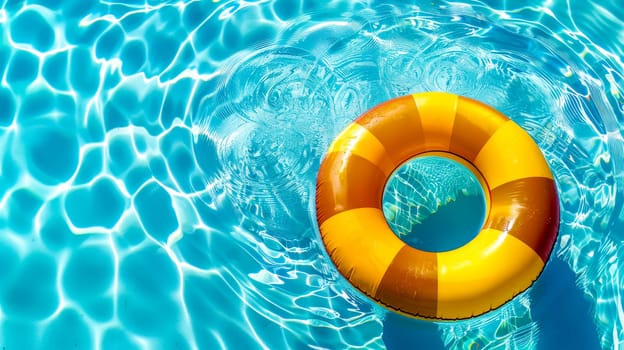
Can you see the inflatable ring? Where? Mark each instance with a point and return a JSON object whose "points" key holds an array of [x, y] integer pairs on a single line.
{"points": [[505, 257]]}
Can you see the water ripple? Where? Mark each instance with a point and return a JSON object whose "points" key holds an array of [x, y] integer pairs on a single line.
{"points": [[267, 135], [267, 143], [197, 127]]}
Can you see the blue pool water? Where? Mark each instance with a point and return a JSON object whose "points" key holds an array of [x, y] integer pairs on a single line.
{"points": [[158, 166], [434, 203]]}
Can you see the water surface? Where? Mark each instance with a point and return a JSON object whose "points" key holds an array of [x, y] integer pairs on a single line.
{"points": [[159, 163]]}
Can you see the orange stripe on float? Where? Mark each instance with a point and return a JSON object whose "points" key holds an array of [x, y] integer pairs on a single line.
{"points": [[529, 210], [410, 284], [396, 124], [437, 116], [361, 245], [475, 123], [360, 141], [347, 181]]}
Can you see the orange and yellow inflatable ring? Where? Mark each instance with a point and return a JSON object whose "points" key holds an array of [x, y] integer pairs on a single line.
{"points": [[505, 257]]}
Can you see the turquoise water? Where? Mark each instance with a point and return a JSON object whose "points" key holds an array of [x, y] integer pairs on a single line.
{"points": [[159, 163], [434, 203]]}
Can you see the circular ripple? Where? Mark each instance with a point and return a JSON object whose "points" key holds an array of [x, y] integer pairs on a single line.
{"points": [[457, 70], [268, 122], [401, 60], [267, 173], [266, 156], [282, 85]]}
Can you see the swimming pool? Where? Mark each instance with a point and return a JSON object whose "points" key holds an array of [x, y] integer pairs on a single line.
{"points": [[159, 162]]}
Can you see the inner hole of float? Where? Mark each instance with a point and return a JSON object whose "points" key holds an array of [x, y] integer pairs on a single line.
{"points": [[434, 203]]}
